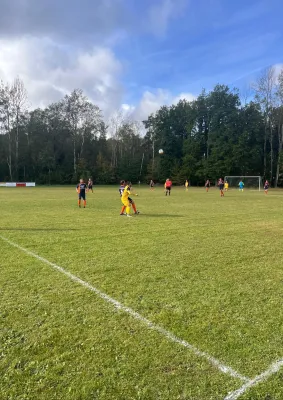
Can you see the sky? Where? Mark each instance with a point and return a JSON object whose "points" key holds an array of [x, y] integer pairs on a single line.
{"points": [[137, 55]]}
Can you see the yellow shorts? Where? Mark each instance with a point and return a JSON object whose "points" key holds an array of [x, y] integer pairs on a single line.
{"points": [[126, 203]]}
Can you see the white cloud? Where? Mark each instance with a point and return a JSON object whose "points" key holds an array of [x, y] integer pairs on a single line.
{"points": [[151, 101], [49, 71], [277, 69], [79, 22], [183, 96], [160, 14], [127, 108]]}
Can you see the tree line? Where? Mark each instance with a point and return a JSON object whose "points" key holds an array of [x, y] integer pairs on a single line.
{"points": [[219, 133]]}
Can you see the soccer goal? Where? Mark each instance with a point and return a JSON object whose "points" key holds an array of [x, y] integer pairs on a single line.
{"points": [[251, 182]]}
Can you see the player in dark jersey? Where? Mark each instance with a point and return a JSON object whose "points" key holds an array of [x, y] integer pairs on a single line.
{"points": [[221, 186], [90, 184], [122, 187], [81, 190], [266, 186], [207, 185]]}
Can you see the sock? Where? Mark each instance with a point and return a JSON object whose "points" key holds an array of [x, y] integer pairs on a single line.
{"points": [[84, 203], [128, 210], [123, 209], [134, 207], [79, 203]]}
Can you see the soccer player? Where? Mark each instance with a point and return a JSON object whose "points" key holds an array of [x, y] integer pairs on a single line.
{"points": [[90, 184], [241, 186], [266, 186], [226, 186], [207, 185], [221, 186], [168, 185], [81, 190], [132, 203], [151, 185], [187, 185]]}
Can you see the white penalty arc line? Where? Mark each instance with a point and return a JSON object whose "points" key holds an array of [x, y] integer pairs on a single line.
{"points": [[275, 367], [168, 335]]}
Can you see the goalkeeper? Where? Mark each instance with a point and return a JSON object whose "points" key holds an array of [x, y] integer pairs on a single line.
{"points": [[125, 191], [241, 186]]}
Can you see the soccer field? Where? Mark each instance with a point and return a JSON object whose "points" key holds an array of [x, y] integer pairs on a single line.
{"points": [[183, 301]]}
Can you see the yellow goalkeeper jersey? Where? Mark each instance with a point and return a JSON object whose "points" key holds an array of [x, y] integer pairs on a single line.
{"points": [[126, 193]]}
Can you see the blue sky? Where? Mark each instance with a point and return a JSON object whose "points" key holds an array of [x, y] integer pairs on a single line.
{"points": [[208, 42], [140, 54]]}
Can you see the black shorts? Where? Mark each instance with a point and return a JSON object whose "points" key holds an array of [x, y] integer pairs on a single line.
{"points": [[90, 187], [221, 186], [130, 200], [168, 188], [82, 196]]}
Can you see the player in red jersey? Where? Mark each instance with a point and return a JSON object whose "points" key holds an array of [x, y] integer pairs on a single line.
{"points": [[168, 185]]}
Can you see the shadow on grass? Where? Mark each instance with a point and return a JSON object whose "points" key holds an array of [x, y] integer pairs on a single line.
{"points": [[161, 215], [38, 229]]}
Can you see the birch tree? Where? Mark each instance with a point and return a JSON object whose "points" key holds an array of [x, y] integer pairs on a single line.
{"points": [[265, 95], [18, 95], [6, 113], [279, 123], [82, 117]]}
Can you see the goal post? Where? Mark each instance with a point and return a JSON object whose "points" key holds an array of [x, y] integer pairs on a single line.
{"points": [[254, 182]]}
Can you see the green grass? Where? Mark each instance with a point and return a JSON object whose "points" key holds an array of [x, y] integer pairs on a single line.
{"points": [[207, 269]]}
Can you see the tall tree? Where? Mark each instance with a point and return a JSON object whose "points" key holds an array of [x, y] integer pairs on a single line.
{"points": [[278, 114], [18, 95], [6, 116], [82, 118], [265, 95]]}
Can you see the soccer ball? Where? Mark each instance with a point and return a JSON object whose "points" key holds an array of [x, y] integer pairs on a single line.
{"points": [[160, 151]]}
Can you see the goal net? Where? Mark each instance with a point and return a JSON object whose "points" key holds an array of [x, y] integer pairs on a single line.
{"points": [[250, 182]]}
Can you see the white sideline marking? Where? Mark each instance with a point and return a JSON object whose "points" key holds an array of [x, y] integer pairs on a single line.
{"points": [[170, 336], [275, 367]]}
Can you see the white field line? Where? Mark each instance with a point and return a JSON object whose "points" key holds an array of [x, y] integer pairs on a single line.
{"points": [[275, 367], [168, 335]]}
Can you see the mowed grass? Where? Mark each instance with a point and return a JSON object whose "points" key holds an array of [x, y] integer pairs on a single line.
{"points": [[207, 269]]}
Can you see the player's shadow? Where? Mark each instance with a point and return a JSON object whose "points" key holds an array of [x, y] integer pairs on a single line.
{"points": [[38, 229], [163, 215]]}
